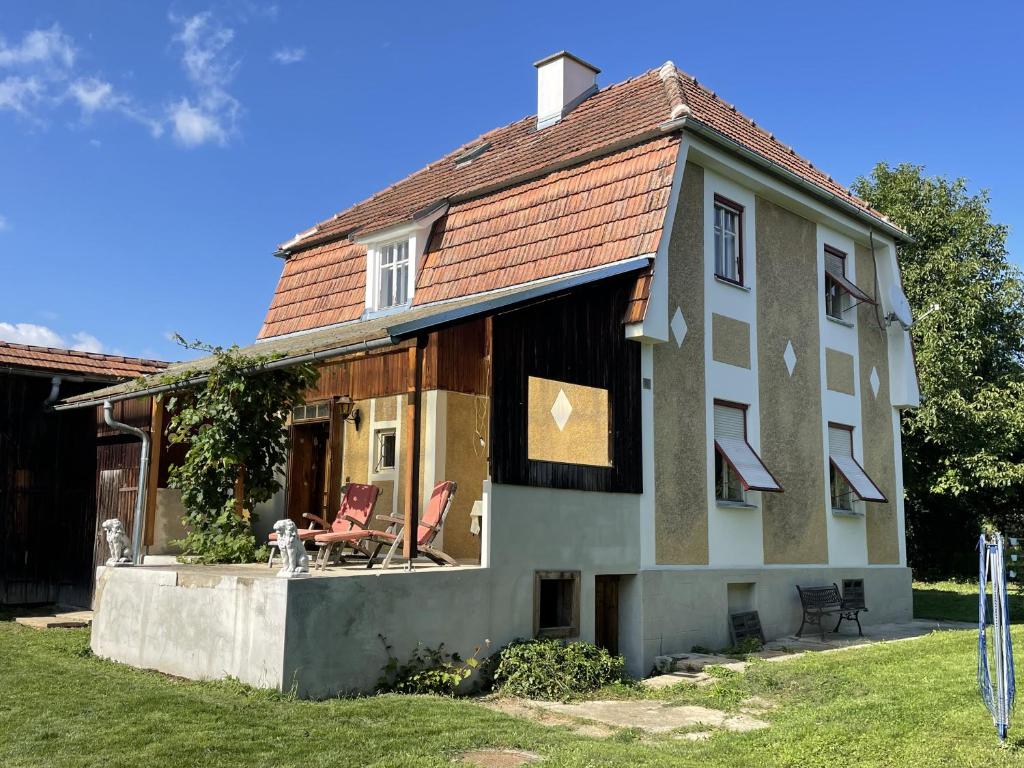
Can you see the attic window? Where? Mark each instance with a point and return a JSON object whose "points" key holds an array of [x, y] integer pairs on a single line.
{"points": [[471, 154], [392, 273]]}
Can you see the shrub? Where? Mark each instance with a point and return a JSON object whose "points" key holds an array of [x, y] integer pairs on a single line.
{"points": [[428, 670], [551, 669]]}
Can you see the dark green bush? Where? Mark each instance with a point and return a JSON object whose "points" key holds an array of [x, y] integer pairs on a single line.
{"points": [[552, 669]]}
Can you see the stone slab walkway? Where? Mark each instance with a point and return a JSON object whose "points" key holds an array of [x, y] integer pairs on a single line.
{"points": [[689, 667]]}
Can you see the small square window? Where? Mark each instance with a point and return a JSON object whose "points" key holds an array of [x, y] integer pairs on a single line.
{"points": [[556, 604], [385, 440], [728, 240]]}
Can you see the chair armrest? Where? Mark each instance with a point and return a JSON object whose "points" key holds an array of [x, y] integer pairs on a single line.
{"points": [[315, 519], [401, 521], [356, 523]]}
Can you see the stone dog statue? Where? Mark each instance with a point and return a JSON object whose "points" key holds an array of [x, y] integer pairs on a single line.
{"points": [[293, 552], [117, 542]]}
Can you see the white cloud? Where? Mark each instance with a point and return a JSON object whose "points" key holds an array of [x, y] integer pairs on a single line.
{"points": [[21, 94], [42, 336], [193, 126], [212, 116], [86, 342], [4, 224], [48, 47], [93, 94], [289, 55], [30, 333]]}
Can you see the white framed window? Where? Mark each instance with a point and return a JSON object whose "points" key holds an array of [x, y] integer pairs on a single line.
{"points": [[392, 275], [840, 293], [385, 443], [728, 240], [738, 468], [848, 482]]}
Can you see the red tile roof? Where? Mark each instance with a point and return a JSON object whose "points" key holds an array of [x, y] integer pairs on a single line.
{"points": [[587, 191], [50, 359]]}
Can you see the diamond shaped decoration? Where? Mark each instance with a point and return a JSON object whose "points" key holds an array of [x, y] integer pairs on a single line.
{"points": [[678, 326], [790, 357], [875, 382], [561, 410]]}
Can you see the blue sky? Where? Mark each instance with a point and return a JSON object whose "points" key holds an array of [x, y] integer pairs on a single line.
{"points": [[153, 155]]}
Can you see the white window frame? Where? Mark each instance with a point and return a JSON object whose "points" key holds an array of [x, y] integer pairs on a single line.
{"points": [[379, 435], [378, 268], [719, 233]]}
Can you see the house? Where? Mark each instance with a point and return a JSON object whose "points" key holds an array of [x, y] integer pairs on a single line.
{"points": [[662, 355], [48, 470]]}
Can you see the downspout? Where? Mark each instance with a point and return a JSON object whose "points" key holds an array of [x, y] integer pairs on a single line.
{"points": [[140, 497], [54, 392]]}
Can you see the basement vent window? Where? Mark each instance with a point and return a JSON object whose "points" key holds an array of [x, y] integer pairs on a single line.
{"points": [[738, 468], [471, 154], [556, 604], [320, 411], [848, 481]]}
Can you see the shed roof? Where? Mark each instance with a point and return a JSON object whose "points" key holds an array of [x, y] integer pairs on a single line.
{"points": [[69, 361]]}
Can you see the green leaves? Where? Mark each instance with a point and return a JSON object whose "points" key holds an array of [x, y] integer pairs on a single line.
{"points": [[552, 669], [234, 426], [964, 447]]}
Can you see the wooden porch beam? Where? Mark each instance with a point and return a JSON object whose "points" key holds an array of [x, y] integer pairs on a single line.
{"points": [[156, 455], [412, 452]]}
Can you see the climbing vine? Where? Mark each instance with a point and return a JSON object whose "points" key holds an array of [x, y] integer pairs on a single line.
{"points": [[234, 425]]}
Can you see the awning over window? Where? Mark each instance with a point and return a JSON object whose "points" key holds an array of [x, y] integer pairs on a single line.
{"points": [[840, 452], [731, 442], [835, 268]]}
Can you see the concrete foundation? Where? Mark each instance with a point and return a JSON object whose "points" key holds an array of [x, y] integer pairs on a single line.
{"points": [[322, 636]]}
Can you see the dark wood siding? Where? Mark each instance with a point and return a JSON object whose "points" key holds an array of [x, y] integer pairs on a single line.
{"points": [[47, 495], [579, 339]]}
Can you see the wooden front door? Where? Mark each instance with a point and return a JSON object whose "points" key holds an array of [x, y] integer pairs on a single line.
{"points": [[307, 471], [606, 613]]}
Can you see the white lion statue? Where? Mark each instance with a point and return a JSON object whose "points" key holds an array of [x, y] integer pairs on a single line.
{"points": [[117, 542], [293, 551]]}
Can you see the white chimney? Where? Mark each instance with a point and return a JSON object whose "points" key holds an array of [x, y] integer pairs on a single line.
{"points": [[563, 81]]}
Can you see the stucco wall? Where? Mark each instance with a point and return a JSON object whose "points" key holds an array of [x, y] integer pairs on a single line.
{"points": [[465, 462], [876, 417], [787, 312], [839, 371], [681, 514], [683, 608], [730, 341]]}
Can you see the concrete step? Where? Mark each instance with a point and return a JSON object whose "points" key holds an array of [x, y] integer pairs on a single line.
{"points": [[70, 620]]}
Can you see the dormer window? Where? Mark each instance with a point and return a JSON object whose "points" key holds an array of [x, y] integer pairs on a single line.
{"points": [[392, 275]]}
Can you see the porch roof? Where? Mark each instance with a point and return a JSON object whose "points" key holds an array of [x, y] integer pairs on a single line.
{"points": [[355, 337]]}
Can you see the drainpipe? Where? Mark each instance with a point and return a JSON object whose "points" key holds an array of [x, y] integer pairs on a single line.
{"points": [[54, 392], [140, 497]]}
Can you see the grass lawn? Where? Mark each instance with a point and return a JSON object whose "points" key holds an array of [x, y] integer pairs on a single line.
{"points": [[898, 704], [958, 601]]}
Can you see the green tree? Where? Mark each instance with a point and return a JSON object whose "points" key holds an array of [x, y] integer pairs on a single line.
{"points": [[964, 447], [234, 425]]}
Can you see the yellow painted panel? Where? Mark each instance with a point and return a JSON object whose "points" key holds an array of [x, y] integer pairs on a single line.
{"points": [[582, 435]]}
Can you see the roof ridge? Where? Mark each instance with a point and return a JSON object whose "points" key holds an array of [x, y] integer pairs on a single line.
{"points": [[677, 103], [318, 227], [770, 135]]}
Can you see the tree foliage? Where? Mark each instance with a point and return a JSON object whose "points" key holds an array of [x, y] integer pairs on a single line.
{"points": [[234, 425], [964, 447]]}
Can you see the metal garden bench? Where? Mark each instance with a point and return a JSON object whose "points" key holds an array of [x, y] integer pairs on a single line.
{"points": [[821, 602]]}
